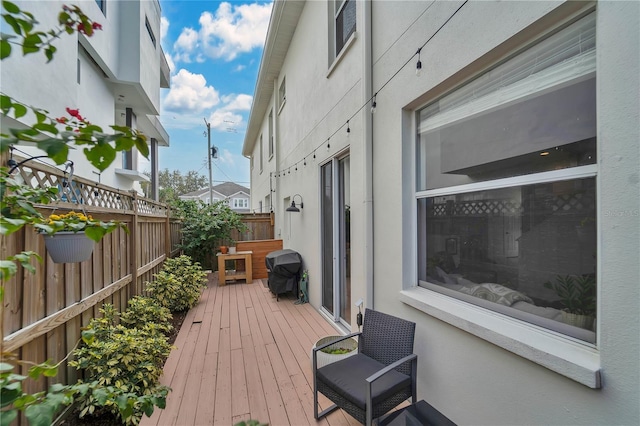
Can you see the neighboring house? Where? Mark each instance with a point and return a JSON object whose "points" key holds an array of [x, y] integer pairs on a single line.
{"points": [[237, 196], [113, 77], [511, 162]]}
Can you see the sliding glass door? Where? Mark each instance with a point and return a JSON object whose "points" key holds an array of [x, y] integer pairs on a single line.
{"points": [[336, 239]]}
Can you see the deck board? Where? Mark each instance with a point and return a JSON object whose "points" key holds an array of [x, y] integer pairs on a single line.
{"points": [[241, 355]]}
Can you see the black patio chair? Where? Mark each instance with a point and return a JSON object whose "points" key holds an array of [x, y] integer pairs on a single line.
{"points": [[375, 380]]}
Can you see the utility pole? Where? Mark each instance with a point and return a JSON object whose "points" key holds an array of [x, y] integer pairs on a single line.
{"points": [[209, 158]]}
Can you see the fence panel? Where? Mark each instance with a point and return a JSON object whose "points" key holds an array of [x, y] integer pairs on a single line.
{"points": [[44, 312]]}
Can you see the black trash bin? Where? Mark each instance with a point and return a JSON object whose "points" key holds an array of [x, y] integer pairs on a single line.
{"points": [[285, 269]]}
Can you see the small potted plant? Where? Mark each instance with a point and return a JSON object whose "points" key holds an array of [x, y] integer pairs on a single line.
{"points": [[336, 352], [578, 295], [71, 237]]}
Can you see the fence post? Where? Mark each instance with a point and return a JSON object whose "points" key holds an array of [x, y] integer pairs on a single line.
{"points": [[133, 259], [167, 234]]}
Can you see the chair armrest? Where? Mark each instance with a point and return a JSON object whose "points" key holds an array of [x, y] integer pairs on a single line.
{"points": [[316, 349], [375, 376]]}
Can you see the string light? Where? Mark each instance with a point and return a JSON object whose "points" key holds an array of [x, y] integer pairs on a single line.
{"points": [[373, 98], [305, 161]]}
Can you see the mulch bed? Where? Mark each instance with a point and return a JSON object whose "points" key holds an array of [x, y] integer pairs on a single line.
{"points": [[108, 419]]}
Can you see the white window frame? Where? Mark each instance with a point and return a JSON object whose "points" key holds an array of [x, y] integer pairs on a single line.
{"points": [[282, 94], [570, 357], [240, 203], [261, 154], [271, 136]]}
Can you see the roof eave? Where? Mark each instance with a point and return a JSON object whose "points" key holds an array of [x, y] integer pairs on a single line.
{"points": [[282, 25]]}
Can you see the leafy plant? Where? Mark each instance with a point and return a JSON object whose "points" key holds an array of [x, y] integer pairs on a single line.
{"points": [[143, 311], [251, 423], [77, 222], [179, 284], [205, 227], [577, 293], [124, 361]]}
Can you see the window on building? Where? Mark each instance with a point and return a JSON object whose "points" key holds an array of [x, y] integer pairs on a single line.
{"points": [[261, 153], [102, 4], [271, 142], [240, 203], [150, 31], [506, 187], [345, 22], [282, 94]]}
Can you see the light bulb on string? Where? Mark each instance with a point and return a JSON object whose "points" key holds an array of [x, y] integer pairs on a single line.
{"points": [[305, 161], [373, 104], [419, 64], [348, 128], [328, 145], [314, 154]]}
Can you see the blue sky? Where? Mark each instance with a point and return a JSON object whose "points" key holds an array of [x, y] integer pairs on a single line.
{"points": [[214, 50]]}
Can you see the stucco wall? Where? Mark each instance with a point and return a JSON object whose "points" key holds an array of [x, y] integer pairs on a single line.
{"points": [[53, 86], [468, 378]]}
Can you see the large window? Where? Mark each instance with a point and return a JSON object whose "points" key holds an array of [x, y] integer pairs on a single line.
{"points": [[506, 187]]}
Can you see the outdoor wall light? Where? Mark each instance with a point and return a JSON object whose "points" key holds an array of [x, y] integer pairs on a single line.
{"points": [[292, 207]]}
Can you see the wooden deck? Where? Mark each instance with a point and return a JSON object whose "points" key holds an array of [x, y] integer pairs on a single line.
{"points": [[241, 355]]}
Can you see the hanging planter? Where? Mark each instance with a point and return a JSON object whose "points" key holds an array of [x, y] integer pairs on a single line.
{"points": [[69, 247]]}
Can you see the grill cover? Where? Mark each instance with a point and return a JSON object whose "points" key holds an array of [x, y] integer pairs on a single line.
{"points": [[285, 268]]}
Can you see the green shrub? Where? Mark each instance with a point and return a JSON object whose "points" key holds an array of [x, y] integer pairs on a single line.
{"points": [[179, 284], [147, 311], [123, 361]]}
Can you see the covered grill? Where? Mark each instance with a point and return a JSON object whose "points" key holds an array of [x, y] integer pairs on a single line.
{"points": [[285, 269]]}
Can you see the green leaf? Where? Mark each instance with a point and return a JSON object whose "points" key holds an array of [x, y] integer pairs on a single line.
{"points": [[19, 110], [46, 127], [13, 22], [10, 7], [143, 148], [95, 233], [100, 156], [5, 103], [39, 414], [5, 49], [8, 417], [56, 149]]}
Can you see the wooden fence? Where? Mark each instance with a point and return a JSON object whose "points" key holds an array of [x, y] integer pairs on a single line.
{"points": [[44, 312], [259, 227]]}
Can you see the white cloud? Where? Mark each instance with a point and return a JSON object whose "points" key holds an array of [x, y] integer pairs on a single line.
{"points": [[164, 28], [226, 157], [185, 44], [239, 102], [232, 30], [222, 119], [190, 93], [239, 68]]}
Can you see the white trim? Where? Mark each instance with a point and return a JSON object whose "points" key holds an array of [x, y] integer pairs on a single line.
{"points": [[565, 356], [343, 52], [570, 173]]}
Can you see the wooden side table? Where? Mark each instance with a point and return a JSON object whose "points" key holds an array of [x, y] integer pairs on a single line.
{"points": [[224, 275]]}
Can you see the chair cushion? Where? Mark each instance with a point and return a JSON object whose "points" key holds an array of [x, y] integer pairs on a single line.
{"points": [[348, 378]]}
